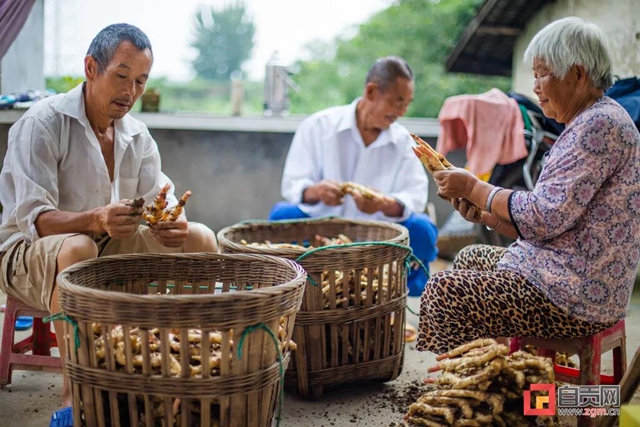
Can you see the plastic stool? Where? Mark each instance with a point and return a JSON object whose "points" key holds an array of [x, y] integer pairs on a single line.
{"points": [[22, 323], [39, 343], [589, 349]]}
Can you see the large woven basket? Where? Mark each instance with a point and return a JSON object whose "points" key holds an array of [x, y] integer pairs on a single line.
{"points": [[140, 318], [339, 343]]}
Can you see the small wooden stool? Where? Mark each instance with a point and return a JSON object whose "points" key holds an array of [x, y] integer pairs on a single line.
{"points": [[589, 349], [39, 343]]}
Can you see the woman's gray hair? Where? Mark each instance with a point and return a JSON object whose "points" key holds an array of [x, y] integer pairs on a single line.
{"points": [[572, 41], [105, 44], [385, 71]]}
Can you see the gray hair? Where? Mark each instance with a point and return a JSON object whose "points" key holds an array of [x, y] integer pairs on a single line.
{"points": [[105, 44], [385, 71], [572, 41]]}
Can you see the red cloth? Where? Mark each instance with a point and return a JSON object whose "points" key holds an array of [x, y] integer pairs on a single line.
{"points": [[489, 125]]}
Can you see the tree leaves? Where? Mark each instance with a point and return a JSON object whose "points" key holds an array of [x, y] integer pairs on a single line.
{"points": [[423, 32], [224, 39]]}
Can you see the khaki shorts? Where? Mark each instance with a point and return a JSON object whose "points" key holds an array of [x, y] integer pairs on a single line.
{"points": [[29, 269]]}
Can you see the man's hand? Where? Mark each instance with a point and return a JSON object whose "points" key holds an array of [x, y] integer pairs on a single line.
{"points": [[327, 192], [171, 234], [119, 219], [378, 203], [366, 205], [455, 183]]}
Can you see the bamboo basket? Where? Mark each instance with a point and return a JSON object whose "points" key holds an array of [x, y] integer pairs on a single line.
{"points": [[339, 343], [242, 308]]}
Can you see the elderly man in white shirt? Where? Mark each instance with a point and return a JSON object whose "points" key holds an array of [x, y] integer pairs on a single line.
{"points": [[74, 163], [361, 142]]}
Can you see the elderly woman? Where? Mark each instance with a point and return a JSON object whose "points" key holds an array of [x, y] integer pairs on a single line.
{"points": [[571, 271]]}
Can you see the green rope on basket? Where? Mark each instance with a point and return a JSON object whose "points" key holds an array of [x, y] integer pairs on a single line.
{"points": [[412, 312], [62, 316], [407, 261], [265, 328]]}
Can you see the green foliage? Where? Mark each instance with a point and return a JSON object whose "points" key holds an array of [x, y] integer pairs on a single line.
{"points": [[197, 95], [423, 32], [63, 84], [224, 39]]}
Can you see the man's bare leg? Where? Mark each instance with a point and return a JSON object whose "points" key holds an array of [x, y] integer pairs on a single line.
{"points": [[200, 239], [74, 250]]}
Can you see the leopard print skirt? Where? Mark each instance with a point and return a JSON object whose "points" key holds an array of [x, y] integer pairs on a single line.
{"points": [[476, 300]]}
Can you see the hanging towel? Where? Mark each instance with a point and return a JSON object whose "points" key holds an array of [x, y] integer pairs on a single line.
{"points": [[489, 125]]}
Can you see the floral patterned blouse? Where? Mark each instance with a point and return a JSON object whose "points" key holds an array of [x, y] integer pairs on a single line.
{"points": [[579, 229]]}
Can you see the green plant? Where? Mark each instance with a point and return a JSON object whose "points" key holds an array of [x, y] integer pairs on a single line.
{"points": [[423, 32], [63, 84], [224, 39]]}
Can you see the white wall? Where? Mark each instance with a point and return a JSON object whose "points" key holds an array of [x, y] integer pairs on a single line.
{"points": [[22, 67], [618, 19]]}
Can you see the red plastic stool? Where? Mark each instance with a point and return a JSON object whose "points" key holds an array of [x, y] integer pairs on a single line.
{"points": [[589, 349], [39, 343]]}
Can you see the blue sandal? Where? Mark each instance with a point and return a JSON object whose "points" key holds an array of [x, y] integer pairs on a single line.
{"points": [[62, 418], [23, 323]]}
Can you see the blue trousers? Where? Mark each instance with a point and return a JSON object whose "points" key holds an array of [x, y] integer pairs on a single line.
{"points": [[422, 237]]}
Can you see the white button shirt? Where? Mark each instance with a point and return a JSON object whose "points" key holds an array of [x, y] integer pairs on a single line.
{"points": [[54, 162], [328, 146]]}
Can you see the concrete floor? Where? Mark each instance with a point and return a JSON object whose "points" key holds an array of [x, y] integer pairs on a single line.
{"points": [[33, 396]]}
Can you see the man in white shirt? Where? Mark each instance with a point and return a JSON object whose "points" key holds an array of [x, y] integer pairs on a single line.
{"points": [[361, 142], [74, 163]]}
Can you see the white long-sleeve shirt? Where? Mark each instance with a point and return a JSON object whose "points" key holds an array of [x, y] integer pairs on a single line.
{"points": [[54, 162], [328, 146]]}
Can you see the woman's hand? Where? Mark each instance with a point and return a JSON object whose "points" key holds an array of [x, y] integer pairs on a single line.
{"points": [[455, 183], [471, 214], [466, 210]]}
